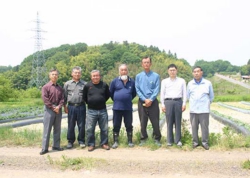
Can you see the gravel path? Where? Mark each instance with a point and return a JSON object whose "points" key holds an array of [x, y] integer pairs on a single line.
{"points": [[136, 162]]}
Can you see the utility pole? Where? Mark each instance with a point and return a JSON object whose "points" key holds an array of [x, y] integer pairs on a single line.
{"points": [[39, 75]]}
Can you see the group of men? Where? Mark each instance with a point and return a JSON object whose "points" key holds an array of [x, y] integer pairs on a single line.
{"points": [[76, 94]]}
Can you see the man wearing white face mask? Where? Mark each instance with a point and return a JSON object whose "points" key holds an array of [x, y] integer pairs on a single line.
{"points": [[122, 92]]}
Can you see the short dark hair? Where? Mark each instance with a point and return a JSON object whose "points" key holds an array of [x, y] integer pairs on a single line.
{"points": [[54, 70], [146, 57], [197, 67], [172, 65]]}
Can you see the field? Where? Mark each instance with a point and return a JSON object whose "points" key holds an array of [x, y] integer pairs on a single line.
{"points": [[228, 156]]}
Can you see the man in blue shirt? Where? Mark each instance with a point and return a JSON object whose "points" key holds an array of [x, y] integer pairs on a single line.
{"points": [[122, 92], [147, 84], [200, 94]]}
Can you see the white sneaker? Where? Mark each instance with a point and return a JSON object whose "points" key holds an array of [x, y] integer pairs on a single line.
{"points": [[169, 144], [179, 144], [82, 145]]}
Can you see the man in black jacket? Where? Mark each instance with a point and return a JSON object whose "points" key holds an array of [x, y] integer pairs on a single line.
{"points": [[95, 94]]}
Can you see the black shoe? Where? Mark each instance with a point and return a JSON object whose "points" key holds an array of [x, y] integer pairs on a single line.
{"points": [[70, 145], [206, 147], [194, 146], [57, 149], [43, 152]]}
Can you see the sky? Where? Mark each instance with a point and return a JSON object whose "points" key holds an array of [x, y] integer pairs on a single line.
{"points": [[193, 29]]}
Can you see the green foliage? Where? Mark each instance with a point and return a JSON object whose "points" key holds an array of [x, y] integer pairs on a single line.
{"points": [[5, 89], [23, 137], [231, 92], [5, 68], [245, 70], [226, 91], [246, 164], [105, 58], [228, 98], [186, 136], [228, 73], [32, 93], [229, 136], [210, 68], [74, 163], [214, 139], [77, 49]]}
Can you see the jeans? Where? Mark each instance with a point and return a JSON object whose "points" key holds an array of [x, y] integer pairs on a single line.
{"points": [[76, 115], [94, 116]]}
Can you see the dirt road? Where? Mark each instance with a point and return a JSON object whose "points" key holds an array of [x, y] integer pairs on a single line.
{"points": [[127, 162], [23, 162]]}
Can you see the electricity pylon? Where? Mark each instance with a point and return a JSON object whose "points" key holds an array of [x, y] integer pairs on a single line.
{"points": [[38, 76]]}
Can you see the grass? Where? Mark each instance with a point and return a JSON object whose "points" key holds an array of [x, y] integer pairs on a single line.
{"points": [[30, 102], [225, 141], [75, 163], [246, 164], [225, 91], [228, 140], [25, 137]]}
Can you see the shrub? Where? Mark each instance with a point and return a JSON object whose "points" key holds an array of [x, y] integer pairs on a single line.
{"points": [[32, 93]]}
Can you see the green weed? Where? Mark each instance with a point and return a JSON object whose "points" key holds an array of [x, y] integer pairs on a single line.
{"points": [[74, 163], [246, 164]]}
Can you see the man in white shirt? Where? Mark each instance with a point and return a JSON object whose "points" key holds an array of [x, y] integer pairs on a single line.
{"points": [[173, 101]]}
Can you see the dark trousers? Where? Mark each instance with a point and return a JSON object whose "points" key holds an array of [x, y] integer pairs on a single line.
{"points": [[203, 120], [51, 119], [76, 115], [117, 120], [153, 114], [173, 117]]}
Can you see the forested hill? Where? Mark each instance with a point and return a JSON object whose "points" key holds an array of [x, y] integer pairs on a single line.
{"points": [[105, 58]]}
